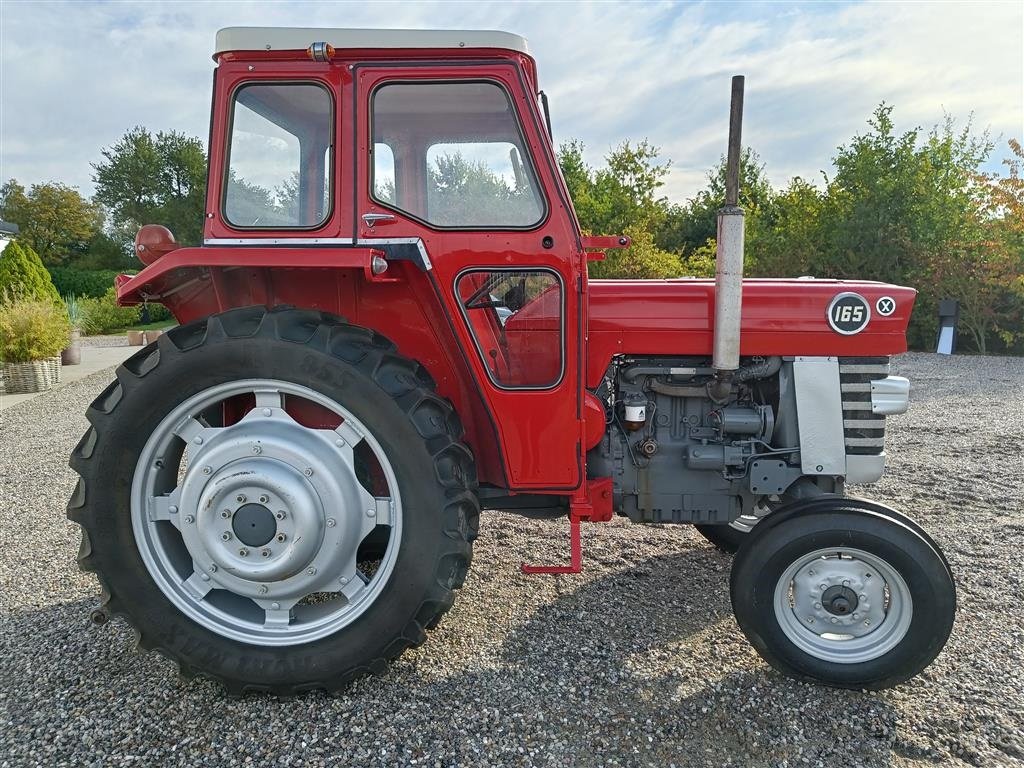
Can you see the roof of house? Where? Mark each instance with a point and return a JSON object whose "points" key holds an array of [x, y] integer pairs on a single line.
{"points": [[300, 38], [8, 228]]}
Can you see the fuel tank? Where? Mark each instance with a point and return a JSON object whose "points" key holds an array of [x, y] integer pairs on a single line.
{"points": [[798, 316]]}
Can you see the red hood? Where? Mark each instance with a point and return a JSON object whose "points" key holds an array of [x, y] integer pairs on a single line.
{"points": [[780, 317]]}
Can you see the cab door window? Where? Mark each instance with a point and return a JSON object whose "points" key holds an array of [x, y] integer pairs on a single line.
{"points": [[452, 155], [515, 317]]}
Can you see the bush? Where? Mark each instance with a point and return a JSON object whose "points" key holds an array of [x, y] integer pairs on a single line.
{"points": [[22, 275], [32, 329], [83, 282], [158, 313], [102, 315]]}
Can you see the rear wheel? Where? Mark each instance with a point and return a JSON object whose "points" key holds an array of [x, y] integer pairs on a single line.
{"points": [[276, 499], [844, 592]]}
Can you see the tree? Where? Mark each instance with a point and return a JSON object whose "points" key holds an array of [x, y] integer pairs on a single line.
{"points": [[687, 228], [146, 179], [54, 219], [23, 276], [623, 195]]}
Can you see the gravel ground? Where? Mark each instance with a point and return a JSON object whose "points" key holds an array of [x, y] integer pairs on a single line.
{"points": [[635, 662]]}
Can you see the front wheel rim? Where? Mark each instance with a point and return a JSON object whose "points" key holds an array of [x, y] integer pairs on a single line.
{"points": [[843, 605], [254, 530]]}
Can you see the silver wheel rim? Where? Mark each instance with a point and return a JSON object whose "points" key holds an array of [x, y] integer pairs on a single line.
{"points": [[205, 498], [843, 605]]}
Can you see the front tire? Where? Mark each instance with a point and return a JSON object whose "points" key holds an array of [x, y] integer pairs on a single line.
{"points": [[275, 499], [844, 592]]}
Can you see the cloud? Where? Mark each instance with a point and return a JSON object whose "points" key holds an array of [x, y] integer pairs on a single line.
{"points": [[75, 76]]}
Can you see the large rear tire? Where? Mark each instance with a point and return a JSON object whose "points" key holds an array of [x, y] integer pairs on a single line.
{"points": [[275, 499], [844, 592]]}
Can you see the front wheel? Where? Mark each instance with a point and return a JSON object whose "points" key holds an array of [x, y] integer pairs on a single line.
{"points": [[844, 592], [275, 499]]}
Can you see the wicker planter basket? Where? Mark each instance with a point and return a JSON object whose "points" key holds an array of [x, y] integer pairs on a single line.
{"points": [[53, 364], [34, 376]]}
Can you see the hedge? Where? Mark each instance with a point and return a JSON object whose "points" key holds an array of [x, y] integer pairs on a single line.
{"points": [[83, 282]]}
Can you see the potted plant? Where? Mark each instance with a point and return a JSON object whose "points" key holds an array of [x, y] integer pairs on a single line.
{"points": [[32, 335], [72, 353]]}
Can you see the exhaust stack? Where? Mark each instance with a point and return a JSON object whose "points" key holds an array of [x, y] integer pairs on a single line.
{"points": [[729, 259]]}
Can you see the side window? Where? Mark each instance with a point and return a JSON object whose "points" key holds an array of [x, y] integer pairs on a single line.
{"points": [[515, 317], [455, 157], [279, 157]]}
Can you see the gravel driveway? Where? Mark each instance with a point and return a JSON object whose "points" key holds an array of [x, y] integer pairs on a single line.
{"points": [[635, 662]]}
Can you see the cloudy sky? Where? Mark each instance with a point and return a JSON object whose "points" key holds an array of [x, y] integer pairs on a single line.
{"points": [[75, 76]]}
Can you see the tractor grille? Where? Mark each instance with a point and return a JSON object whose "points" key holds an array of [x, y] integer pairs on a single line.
{"points": [[864, 431]]}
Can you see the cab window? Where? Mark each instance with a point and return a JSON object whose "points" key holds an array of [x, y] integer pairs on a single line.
{"points": [[452, 155], [515, 317], [279, 157]]}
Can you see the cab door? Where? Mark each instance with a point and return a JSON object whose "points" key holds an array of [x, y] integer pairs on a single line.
{"points": [[453, 173]]}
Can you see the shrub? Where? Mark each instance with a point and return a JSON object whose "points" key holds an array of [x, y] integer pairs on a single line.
{"points": [[158, 313], [22, 275], [32, 329], [83, 282], [74, 310], [102, 315]]}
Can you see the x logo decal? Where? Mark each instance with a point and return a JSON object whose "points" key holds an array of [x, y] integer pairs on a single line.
{"points": [[886, 306]]}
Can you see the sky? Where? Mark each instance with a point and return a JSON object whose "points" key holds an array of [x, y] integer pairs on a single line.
{"points": [[74, 77]]}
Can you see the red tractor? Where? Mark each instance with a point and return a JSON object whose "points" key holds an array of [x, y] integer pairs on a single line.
{"points": [[390, 326]]}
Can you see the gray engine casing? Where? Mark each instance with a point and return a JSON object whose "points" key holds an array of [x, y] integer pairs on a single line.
{"points": [[692, 460]]}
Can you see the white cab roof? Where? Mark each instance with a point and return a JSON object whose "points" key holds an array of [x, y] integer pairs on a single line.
{"points": [[300, 38]]}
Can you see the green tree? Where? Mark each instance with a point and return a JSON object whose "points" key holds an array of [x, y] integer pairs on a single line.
{"points": [[161, 179], [621, 196], [687, 228], [54, 219], [23, 276]]}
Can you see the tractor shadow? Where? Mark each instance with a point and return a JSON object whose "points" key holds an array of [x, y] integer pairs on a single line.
{"points": [[640, 665]]}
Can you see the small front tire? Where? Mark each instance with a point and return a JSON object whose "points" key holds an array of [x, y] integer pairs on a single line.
{"points": [[843, 592]]}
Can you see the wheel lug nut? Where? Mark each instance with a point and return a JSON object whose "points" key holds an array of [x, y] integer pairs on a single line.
{"points": [[810, 573], [308, 471], [243, 552], [810, 619], [226, 536], [189, 519], [240, 498], [265, 553], [263, 589], [311, 571], [264, 499], [863, 597], [817, 606], [213, 568], [835, 620], [856, 616], [225, 513], [822, 587], [281, 514], [207, 470], [280, 538], [257, 450], [331, 523]]}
